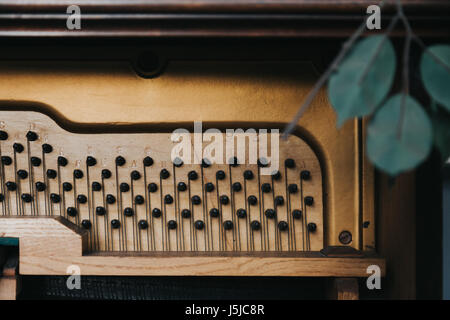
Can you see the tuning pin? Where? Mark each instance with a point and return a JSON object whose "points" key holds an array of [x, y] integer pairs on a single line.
{"points": [[266, 188], [248, 175], [6, 160], [62, 161], [289, 163], [196, 200], [18, 147], [91, 161], [31, 136], [164, 174], [209, 187], [78, 174], [115, 224], [100, 211], [67, 186], [3, 135], [305, 175], [214, 213], [186, 213], [128, 212], [255, 225], [237, 187], [171, 224], [143, 224], [46, 148], [106, 174], [81, 198], [252, 200], [192, 175], [156, 213], [270, 213], [124, 187], [148, 161], [139, 199], [228, 225], [26, 197], [168, 199], [220, 175], [120, 161], [199, 224], [55, 198], [22, 174], [96, 186], [51, 174], [40, 186], [283, 225], [292, 188], [35, 161], [72, 212], [241, 213], [224, 200], [135, 175], [110, 199], [182, 186]]}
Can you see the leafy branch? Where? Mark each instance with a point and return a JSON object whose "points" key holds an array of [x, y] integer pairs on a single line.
{"points": [[400, 133]]}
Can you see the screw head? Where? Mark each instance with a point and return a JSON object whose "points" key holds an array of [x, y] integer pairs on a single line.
{"points": [[156, 213], [32, 136], [139, 199], [115, 224], [171, 224], [182, 186], [71, 211], [252, 200], [270, 213], [255, 225], [152, 187], [228, 225], [47, 148], [86, 224], [62, 161], [186, 213], [199, 224], [100, 211], [241, 213], [297, 214], [35, 161], [209, 187], [128, 212], [220, 175], [143, 224], [110, 199], [106, 174], [345, 237], [214, 212]]}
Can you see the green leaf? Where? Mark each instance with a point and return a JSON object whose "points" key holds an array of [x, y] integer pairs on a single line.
{"points": [[435, 70], [398, 141], [441, 126], [363, 79]]}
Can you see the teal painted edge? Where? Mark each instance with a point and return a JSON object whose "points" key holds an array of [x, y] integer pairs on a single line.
{"points": [[9, 241]]}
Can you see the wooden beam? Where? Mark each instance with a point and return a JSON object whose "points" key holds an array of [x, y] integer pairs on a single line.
{"points": [[50, 245]]}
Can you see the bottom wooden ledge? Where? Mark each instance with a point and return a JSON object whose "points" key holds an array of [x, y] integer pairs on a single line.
{"points": [[49, 246]]}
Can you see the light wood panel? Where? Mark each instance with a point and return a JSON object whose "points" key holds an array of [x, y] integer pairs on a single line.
{"points": [[38, 257]]}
